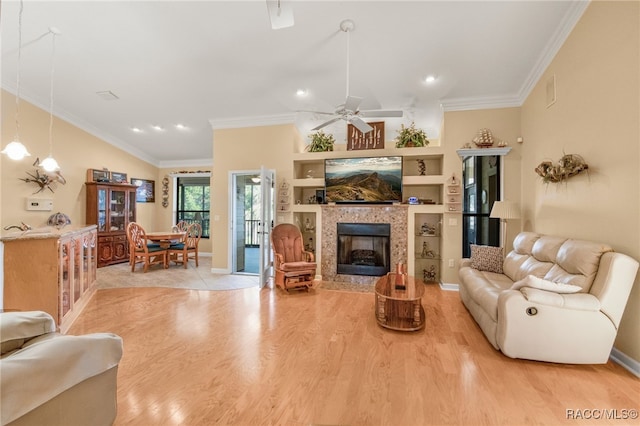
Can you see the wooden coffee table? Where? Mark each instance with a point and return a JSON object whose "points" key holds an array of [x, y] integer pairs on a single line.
{"points": [[396, 308]]}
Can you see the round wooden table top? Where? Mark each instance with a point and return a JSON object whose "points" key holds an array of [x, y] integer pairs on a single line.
{"points": [[391, 287], [165, 235]]}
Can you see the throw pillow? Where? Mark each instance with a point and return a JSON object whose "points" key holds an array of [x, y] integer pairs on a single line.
{"points": [[542, 284], [486, 258]]}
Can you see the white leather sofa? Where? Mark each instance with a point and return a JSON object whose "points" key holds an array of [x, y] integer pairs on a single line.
{"points": [[47, 378], [556, 300]]}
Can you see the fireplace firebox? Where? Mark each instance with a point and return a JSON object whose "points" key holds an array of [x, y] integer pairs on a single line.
{"points": [[363, 248]]}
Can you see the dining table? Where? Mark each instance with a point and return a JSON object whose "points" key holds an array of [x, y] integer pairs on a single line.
{"points": [[165, 238]]}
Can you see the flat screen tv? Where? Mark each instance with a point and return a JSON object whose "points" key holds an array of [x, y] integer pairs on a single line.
{"points": [[363, 180]]}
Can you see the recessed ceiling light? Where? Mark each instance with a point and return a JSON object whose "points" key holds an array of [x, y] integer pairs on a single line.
{"points": [[301, 92], [136, 129], [180, 126], [429, 79], [158, 128]]}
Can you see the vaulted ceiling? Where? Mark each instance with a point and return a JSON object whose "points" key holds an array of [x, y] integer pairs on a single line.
{"points": [[208, 64]]}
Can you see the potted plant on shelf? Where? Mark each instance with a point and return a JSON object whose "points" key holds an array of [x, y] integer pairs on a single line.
{"points": [[320, 142], [410, 137]]}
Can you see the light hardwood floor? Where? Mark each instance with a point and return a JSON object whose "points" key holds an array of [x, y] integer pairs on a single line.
{"points": [[245, 357]]}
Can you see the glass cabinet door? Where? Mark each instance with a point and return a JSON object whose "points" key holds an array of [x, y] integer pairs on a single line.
{"points": [[76, 245], [132, 207], [65, 277], [102, 210], [118, 209]]}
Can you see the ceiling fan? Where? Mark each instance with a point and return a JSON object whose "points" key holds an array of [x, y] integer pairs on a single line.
{"points": [[349, 111]]}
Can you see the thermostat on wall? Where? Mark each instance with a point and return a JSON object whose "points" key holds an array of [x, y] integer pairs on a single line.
{"points": [[42, 204]]}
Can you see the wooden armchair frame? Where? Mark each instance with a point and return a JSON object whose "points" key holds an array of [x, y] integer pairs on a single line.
{"points": [[142, 252], [188, 249]]}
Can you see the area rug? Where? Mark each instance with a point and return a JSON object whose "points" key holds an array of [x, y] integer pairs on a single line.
{"points": [[176, 276]]}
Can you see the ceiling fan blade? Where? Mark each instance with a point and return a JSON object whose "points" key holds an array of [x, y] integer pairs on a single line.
{"points": [[352, 103], [360, 125], [326, 123], [315, 112], [280, 13], [381, 113]]}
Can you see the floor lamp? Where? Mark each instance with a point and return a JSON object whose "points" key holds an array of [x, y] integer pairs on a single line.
{"points": [[504, 210]]}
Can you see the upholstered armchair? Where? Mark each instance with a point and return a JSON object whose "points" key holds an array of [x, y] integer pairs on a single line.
{"points": [[294, 267], [47, 378]]}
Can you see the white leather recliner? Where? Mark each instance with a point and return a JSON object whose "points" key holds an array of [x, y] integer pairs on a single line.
{"points": [[557, 299]]}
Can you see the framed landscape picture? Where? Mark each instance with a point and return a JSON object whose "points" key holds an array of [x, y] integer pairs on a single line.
{"points": [[145, 191]]}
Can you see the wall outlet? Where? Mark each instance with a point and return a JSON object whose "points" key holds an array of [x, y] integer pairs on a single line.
{"points": [[451, 263]]}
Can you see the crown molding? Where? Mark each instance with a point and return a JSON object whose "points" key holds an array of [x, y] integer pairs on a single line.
{"points": [[479, 102], [255, 121], [62, 114], [201, 162], [569, 21]]}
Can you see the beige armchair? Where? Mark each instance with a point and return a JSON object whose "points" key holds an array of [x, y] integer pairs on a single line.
{"points": [[294, 267], [47, 378]]}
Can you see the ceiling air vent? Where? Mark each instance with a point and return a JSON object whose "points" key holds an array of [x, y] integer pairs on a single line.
{"points": [[107, 95]]}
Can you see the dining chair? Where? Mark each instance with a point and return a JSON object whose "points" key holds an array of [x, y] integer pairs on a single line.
{"points": [[181, 226], [142, 252], [188, 249]]}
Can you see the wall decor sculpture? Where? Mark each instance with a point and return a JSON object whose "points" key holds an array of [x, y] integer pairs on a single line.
{"points": [[44, 180], [569, 165]]}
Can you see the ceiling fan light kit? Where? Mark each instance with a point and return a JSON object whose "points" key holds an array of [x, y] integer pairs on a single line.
{"points": [[349, 111]]}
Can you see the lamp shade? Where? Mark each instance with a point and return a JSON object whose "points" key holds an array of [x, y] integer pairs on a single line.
{"points": [[505, 210], [15, 150]]}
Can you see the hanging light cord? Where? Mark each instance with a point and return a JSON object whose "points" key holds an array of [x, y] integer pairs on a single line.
{"points": [[18, 71], [53, 55]]}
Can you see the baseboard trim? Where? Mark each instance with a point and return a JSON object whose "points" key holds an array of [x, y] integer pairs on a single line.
{"points": [[224, 271], [449, 287], [625, 361]]}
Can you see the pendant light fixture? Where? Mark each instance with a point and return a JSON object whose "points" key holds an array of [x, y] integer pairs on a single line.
{"points": [[15, 149], [49, 164]]}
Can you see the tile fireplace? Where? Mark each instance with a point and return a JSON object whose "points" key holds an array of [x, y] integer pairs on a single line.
{"points": [[393, 217]]}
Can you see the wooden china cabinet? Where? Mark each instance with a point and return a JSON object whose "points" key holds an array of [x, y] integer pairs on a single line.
{"points": [[111, 206]]}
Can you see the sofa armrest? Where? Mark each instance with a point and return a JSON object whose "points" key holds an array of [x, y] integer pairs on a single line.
{"points": [[37, 373], [465, 262], [575, 301], [18, 327], [546, 326]]}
